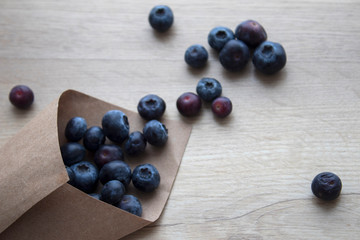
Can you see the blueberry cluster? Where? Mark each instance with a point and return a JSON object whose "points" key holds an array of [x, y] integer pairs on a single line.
{"points": [[208, 90], [107, 164]]}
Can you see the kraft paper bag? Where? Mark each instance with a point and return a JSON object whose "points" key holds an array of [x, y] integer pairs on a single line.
{"points": [[38, 203]]}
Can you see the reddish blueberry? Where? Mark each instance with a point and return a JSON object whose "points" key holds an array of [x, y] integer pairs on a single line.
{"points": [[251, 33], [221, 107], [189, 104], [21, 96], [107, 153], [326, 186]]}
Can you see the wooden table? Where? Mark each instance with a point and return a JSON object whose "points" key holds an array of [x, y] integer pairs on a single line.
{"points": [[247, 176]]}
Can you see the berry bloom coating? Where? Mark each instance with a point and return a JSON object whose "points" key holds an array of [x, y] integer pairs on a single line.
{"points": [[161, 18], [189, 104], [151, 107], [208, 89], [75, 129], [115, 125], [221, 107], [326, 186], [21, 96], [135, 144], [146, 177], [131, 204], [94, 137], [251, 33], [269, 57], [86, 176], [155, 133], [196, 56], [234, 56], [112, 192], [219, 36]]}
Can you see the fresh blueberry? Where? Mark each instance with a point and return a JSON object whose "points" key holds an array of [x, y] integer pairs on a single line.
{"points": [[219, 36], [161, 18], [107, 153], [86, 176], [146, 177], [75, 129], [196, 56], [95, 195], [269, 57], [21, 96], [71, 176], [189, 104], [94, 137], [112, 192], [221, 107], [151, 107], [155, 133], [115, 125], [326, 186], [251, 33], [208, 89], [115, 170], [72, 152], [234, 56], [131, 204], [135, 144]]}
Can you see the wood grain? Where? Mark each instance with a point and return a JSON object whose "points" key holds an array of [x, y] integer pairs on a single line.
{"points": [[244, 177]]}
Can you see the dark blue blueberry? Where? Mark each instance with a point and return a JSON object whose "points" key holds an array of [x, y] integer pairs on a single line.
{"points": [[251, 33], [135, 144], [269, 57], [72, 152], [326, 186], [161, 18], [112, 192], [151, 107], [146, 177], [219, 36], [131, 204], [115, 170], [234, 56], [115, 125], [196, 56], [188, 104], [107, 153], [208, 89], [94, 137], [21, 96], [95, 195], [75, 129], [71, 176], [86, 176], [221, 107], [155, 133]]}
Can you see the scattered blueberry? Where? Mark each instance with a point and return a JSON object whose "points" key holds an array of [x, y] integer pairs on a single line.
{"points": [[269, 57], [71, 175], [146, 177], [75, 129], [234, 56], [219, 36], [72, 152], [94, 137], [189, 104], [115, 170], [107, 153], [112, 192], [95, 195], [151, 107], [161, 18], [155, 133], [131, 204], [208, 89], [115, 126], [326, 186], [86, 176], [196, 56], [251, 33], [135, 144], [221, 107], [21, 96]]}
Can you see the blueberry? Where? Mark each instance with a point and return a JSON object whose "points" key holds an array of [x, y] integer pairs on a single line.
{"points": [[135, 144], [208, 89], [234, 56], [86, 176], [94, 137], [221, 107], [131, 204], [95, 195], [188, 104], [219, 36], [107, 153], [75, 129], [326, 186], [115, 125], [196, 56], [21, 96], [112, 192], [151, 107], [71, 175], [72, 152], [115, 170], [269, 57], [155, 133], [146, 177], [161, 18], [251, 33]]}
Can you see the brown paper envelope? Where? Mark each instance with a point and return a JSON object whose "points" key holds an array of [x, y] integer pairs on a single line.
{"points": [[68, 213]]}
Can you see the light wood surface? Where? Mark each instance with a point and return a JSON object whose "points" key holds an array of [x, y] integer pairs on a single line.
{"points": [[247, 176]]}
